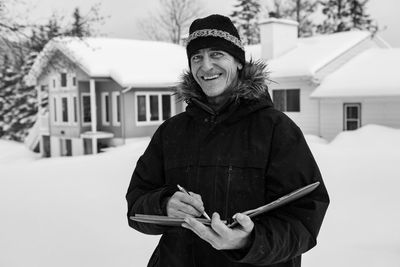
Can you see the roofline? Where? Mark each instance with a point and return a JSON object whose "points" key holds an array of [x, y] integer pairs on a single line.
{"points": [[340, 54], [353, 96]]}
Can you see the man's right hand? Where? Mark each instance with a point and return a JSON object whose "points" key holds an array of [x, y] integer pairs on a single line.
{"points": [[182, 205]]}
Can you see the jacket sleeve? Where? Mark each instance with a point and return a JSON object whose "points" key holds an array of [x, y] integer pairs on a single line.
{"points": [[285, 233], [147, 192]]}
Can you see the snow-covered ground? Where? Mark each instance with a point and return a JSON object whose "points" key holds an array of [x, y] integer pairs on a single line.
{"points": [[71, 211]]}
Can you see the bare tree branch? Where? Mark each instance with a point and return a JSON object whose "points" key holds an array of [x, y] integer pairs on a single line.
{"points": [[172, 20]]}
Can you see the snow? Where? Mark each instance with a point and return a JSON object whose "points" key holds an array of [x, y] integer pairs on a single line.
{"points": [[310, 54], [131, 63], [372, 73], [71, 211]]}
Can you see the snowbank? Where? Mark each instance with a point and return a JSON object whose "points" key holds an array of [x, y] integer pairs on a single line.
{"points": [[71, 211]]}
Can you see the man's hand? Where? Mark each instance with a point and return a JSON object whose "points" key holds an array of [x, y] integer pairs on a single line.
{"points": [[219, 235], [182, 205]]}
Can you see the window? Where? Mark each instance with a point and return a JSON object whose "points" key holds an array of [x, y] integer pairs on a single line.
{"points": [[63, 80], [75, 103], [287, 100], [54, 83], [116, 108], [74, 81], [352, 116], [166, 106], [105, 108], [141, 107], [86, 115], [55, 108], [64, 109], [153, 107]]}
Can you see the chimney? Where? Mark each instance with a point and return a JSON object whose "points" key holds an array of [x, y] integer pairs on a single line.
{"points": [[277, 37]]}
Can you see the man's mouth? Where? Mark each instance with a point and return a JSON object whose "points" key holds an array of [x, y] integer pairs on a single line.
{"points": [[211, 77]]}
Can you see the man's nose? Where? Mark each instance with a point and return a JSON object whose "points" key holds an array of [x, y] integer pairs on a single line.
{"points": [[207, 63]]}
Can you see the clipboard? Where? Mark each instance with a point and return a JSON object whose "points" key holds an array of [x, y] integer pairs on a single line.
{"points": [[171, 221]]}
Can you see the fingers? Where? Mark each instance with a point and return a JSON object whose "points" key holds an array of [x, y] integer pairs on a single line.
{"points": [[204, 232], [245, 221], [182, 205], [218, 226], [193, 200]]}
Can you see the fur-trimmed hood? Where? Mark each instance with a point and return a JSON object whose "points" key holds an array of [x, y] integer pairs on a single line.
{"points": [[251, 85]]}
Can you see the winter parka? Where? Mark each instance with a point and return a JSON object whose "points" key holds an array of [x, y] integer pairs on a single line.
{"points": [[243, 156]]}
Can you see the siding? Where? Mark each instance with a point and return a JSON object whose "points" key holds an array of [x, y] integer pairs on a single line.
{"points": [[308, 117], [381, 111], [131, 129]]}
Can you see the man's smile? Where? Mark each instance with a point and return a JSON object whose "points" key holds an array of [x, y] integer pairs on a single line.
{"points": [[211, 77]]}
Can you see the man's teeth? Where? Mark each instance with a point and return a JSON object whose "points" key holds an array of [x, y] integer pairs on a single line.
{"points": [[210, 77]]}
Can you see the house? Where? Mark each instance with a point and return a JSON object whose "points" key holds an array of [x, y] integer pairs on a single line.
{"points": [[365, 90], [299, 66], [101, 91]]}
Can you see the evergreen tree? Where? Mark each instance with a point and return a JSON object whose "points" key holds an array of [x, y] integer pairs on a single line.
{"points": [[245, 18], [297, 10], [344, 15], [18, 102], [78, 25]]}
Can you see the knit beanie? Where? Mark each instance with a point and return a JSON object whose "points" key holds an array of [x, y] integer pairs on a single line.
{"points": [[215, 31]]}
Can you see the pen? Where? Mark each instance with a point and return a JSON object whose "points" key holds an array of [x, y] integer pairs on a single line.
{"points": [[186, 192]]}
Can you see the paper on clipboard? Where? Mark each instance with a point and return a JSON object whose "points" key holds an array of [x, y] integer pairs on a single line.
{"points": [[170, 221]]}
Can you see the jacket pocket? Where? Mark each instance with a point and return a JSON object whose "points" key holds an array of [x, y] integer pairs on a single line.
{"points": [[247, 185]]}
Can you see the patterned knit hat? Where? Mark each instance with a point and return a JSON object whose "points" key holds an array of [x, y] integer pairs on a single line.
{"points": [[215, 31]]}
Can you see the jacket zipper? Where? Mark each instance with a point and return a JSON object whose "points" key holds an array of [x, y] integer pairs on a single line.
{"points": [[227, 191]]}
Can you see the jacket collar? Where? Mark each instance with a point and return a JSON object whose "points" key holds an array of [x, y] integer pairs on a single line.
{"points": [[251, 85], [249, 94]]}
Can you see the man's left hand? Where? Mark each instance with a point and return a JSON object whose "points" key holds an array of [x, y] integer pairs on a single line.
{"points": [[219, 235]]}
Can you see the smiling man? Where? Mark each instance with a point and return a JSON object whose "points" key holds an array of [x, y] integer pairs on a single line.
{"points": [[234, 152]]}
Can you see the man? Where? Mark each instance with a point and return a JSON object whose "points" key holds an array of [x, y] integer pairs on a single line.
{"points": [[235, 152]]}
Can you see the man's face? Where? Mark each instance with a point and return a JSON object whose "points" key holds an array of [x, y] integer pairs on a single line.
{"points": [[214, 70]]}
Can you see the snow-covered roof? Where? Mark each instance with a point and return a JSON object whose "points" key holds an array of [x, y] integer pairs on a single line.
{"points": [[374, 72], [310, 54], [131, 63]]}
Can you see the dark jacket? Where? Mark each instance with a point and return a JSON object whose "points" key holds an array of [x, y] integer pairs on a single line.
{"points": [[239, 158]]}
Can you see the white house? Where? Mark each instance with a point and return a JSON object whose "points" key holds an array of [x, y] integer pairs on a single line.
{"points": [[365, 90], [101, 91], [299, 65]]}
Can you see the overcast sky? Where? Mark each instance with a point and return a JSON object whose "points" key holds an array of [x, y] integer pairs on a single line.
{"points": [[124, 14]]}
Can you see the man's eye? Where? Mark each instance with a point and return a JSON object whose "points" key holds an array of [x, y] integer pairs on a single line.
{"points": [[216, 54], [196, 58]]}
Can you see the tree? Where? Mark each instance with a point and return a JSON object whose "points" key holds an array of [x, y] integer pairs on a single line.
{"points": [[245, 17], [172, 21], [18, 102], [298, 10], [344, 15]]}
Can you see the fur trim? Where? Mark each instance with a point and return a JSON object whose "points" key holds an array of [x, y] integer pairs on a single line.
{"points": [[251, 85]]}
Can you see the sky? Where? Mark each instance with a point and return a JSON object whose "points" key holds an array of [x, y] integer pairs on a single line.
{"points": [[123, 15], [71, 211]]}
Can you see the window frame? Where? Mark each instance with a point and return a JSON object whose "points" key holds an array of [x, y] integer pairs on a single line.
{"points": [[105, 109], [55, 109], [116, 109], [83, 109], [64, 112], [285, 96], [75, 109], [63, 80], [346, 119], [147, 95]]}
